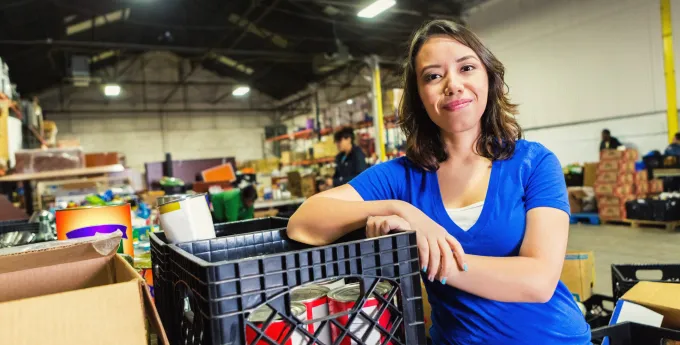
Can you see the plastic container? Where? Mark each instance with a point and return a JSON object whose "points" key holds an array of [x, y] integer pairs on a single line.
{"points": [[160, 262], [599, 309], [629, 333], [32, 161], [624, 277], [18, 232], [219, 282]]}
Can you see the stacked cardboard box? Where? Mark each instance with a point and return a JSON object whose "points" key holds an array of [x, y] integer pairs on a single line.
{"points": [[616, 183]]}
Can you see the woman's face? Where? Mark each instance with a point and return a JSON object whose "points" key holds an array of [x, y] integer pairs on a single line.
{"points": [[452, 83]]}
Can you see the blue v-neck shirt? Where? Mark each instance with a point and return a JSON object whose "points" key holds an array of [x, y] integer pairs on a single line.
{"points": [[531, 178]]}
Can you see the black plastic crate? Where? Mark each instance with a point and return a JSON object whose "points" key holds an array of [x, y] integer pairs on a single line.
{"points": [[599, 309], [624, 277], [160, 263], [665, 210], [639, 209], [18, 225], [629, 333], [220, 282]]}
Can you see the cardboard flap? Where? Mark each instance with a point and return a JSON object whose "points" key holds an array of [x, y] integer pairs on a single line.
{"points": [[106, 315], [664, 298], [152, 316], [59, 252]]}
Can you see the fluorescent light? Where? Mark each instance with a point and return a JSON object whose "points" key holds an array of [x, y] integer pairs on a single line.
{"points": [[240, 91], [349, 101], [112, 90], [376, 8]]}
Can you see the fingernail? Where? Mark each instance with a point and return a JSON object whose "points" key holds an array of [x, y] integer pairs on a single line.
{"points": [[465, 267], [431, 279], [444, 281], [424, 269]]}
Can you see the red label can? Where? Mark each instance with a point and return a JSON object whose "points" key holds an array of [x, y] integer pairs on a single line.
{"points": [[343, 299], [278, 329], [315, 299], [88, 221]]}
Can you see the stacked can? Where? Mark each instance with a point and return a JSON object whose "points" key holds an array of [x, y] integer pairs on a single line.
{"points": [[315, 300], [343, 299], [332, 283], [278, 329]]}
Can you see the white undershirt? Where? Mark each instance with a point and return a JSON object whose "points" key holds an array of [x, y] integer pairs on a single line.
{"points": [[466, 217]]}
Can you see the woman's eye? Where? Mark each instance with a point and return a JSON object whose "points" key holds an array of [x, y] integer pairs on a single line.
{"points": [[431, 77], [467, 68]]}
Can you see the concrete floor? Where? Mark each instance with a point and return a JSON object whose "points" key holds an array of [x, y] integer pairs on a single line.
{"points": [[623, 245]]}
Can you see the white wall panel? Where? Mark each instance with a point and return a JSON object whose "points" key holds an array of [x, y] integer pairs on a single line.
{"points": [[590, 63], [119, 125]]}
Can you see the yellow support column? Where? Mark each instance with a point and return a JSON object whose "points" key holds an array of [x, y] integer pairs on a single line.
{"points": [[669, 69], [378, 118]]}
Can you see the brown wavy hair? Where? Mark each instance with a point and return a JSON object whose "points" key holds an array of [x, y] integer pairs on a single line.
{"points": [[500, 130]]}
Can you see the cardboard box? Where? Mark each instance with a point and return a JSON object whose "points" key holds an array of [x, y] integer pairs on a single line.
{"points": [[308, 185], [612, 212], [589, 174], [626, 155], [578, 274], [603, 201], [642, 188], [427, 309], [641, 176], [656, 186], [663, 298], [615, 177], [616, 165], [74, 292], [613, 189], [577, 197]]}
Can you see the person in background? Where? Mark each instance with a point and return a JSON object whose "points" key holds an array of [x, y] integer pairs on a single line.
{"points": [[608, 142], [235, 204], [350, 162], [674, 147]]}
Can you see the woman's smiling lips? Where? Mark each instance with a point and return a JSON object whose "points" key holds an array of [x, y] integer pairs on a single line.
{"points": [[457, 104]]}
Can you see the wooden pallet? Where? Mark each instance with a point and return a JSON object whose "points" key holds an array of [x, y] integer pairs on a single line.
{"points": [[634, 223]]}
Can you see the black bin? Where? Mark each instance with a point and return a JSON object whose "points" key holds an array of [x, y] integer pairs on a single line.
{"points": [[624, 277], [159, 250], [629, 333], [599, 309], [639, 209], [665, 210], [219, 282]]}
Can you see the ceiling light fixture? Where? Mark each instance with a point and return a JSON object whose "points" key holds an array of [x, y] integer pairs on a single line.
{"points": [[241, 91], [376, 8], [349, 101], [112, 90]]}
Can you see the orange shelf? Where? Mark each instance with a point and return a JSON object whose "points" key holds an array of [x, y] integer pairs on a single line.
{"points": [[309, 133], [305, 162]]}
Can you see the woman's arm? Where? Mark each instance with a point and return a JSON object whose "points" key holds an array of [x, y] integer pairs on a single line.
{"points": [[530, 277], [329, 215]]}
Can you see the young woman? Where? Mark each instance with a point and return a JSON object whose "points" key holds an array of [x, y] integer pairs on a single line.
{"points": [[490, 210]]}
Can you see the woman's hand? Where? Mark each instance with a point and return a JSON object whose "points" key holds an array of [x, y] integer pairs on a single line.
{"points": [[440, 253]]}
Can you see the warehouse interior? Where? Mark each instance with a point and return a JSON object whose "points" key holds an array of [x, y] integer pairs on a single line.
{"points": [[132, 102]]}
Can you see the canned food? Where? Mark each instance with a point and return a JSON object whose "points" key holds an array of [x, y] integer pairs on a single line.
{"points": [[315, 300], [89, 221], [343, 300], [187, 219], [332, 283], [161, 200], [278, 329]]}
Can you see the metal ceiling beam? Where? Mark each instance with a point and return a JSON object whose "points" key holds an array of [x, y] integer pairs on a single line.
{"points": [[238, 39], [150, 47], [395, 9]]}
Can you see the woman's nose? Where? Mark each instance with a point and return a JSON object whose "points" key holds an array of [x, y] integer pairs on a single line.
{"points": [[452, 87]]}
